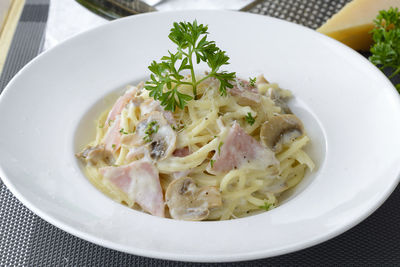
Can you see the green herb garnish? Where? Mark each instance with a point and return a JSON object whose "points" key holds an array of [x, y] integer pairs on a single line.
{"points": [[267, 206], [123, 131], [113, 146], [151, 129], [250, 119], [219, 147], [212, 163], [167, 75], [386, 48], [252, 81]]}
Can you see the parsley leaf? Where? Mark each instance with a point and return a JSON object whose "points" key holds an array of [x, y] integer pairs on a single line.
{"points": [[123, 131], [386, 37], [252, 81], [219, 147], [192, 47], [267, 206], [250, 119], [151, 129], [212, 163]]}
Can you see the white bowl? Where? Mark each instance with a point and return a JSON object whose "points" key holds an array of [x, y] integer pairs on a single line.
{"points": [[349, 108]]}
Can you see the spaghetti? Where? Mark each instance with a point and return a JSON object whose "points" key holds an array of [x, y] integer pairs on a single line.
{"points": [[201, 143]]}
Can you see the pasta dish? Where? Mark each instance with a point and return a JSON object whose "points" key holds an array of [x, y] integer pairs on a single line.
{"points": [[221, 157]]}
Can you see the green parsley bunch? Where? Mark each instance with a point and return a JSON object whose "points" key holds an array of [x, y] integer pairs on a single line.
{"points": [[192, 47], [386, 37]]}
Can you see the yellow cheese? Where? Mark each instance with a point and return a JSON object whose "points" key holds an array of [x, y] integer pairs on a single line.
{"points": [[352, 24]]}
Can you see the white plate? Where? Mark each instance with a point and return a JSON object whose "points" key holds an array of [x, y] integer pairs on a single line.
{"points": [[350, 109]]}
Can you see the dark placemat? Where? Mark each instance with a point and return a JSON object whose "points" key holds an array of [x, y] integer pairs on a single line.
{"points": [[27, 240]]}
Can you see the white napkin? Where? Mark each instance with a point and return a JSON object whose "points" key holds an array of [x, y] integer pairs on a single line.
{"points": [[67, 17]]}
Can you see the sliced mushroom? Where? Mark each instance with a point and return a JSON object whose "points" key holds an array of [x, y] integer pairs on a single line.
{"points": [[280, 98], [154, 132], [279, 130], [95, 154], [262, 84], [188, 202], [261, 80], [151, 105]]}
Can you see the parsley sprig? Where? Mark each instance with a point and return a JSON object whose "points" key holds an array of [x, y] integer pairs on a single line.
{"points": [[212, 163], [219, 148], [252, 81], [151, 129], [250, 119], [386, 37], [192, 47], [267, 206], [122, 131]]}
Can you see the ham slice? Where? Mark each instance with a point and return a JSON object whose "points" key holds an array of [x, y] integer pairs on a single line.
{"points": [[120, 104], [140, 181], [247, 94], [181, 152], [238, 149]]}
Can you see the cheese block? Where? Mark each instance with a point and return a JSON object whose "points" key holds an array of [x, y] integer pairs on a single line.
{"points": [[352, 24]]}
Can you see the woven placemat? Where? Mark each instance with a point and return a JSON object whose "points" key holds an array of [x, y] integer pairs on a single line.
{"points": [[27, 240]]}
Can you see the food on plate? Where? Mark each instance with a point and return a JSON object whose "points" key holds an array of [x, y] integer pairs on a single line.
{"points": [[353, 23], [197, 147]]}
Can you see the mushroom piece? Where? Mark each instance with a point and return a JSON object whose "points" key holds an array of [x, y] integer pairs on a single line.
{"points": [[151, 105], [94, 154], [261, 80], [155, 133], [279, 130], [188, 202], [280, 98]]}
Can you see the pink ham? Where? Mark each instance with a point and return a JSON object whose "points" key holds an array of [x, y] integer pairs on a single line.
{"points": [[247, 94], [240, 148], [140, 181], [112, 139], [181, 152], [120, 104]]}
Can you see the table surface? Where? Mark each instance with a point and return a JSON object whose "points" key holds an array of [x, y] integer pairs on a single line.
{"points": [[27, 240]]}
